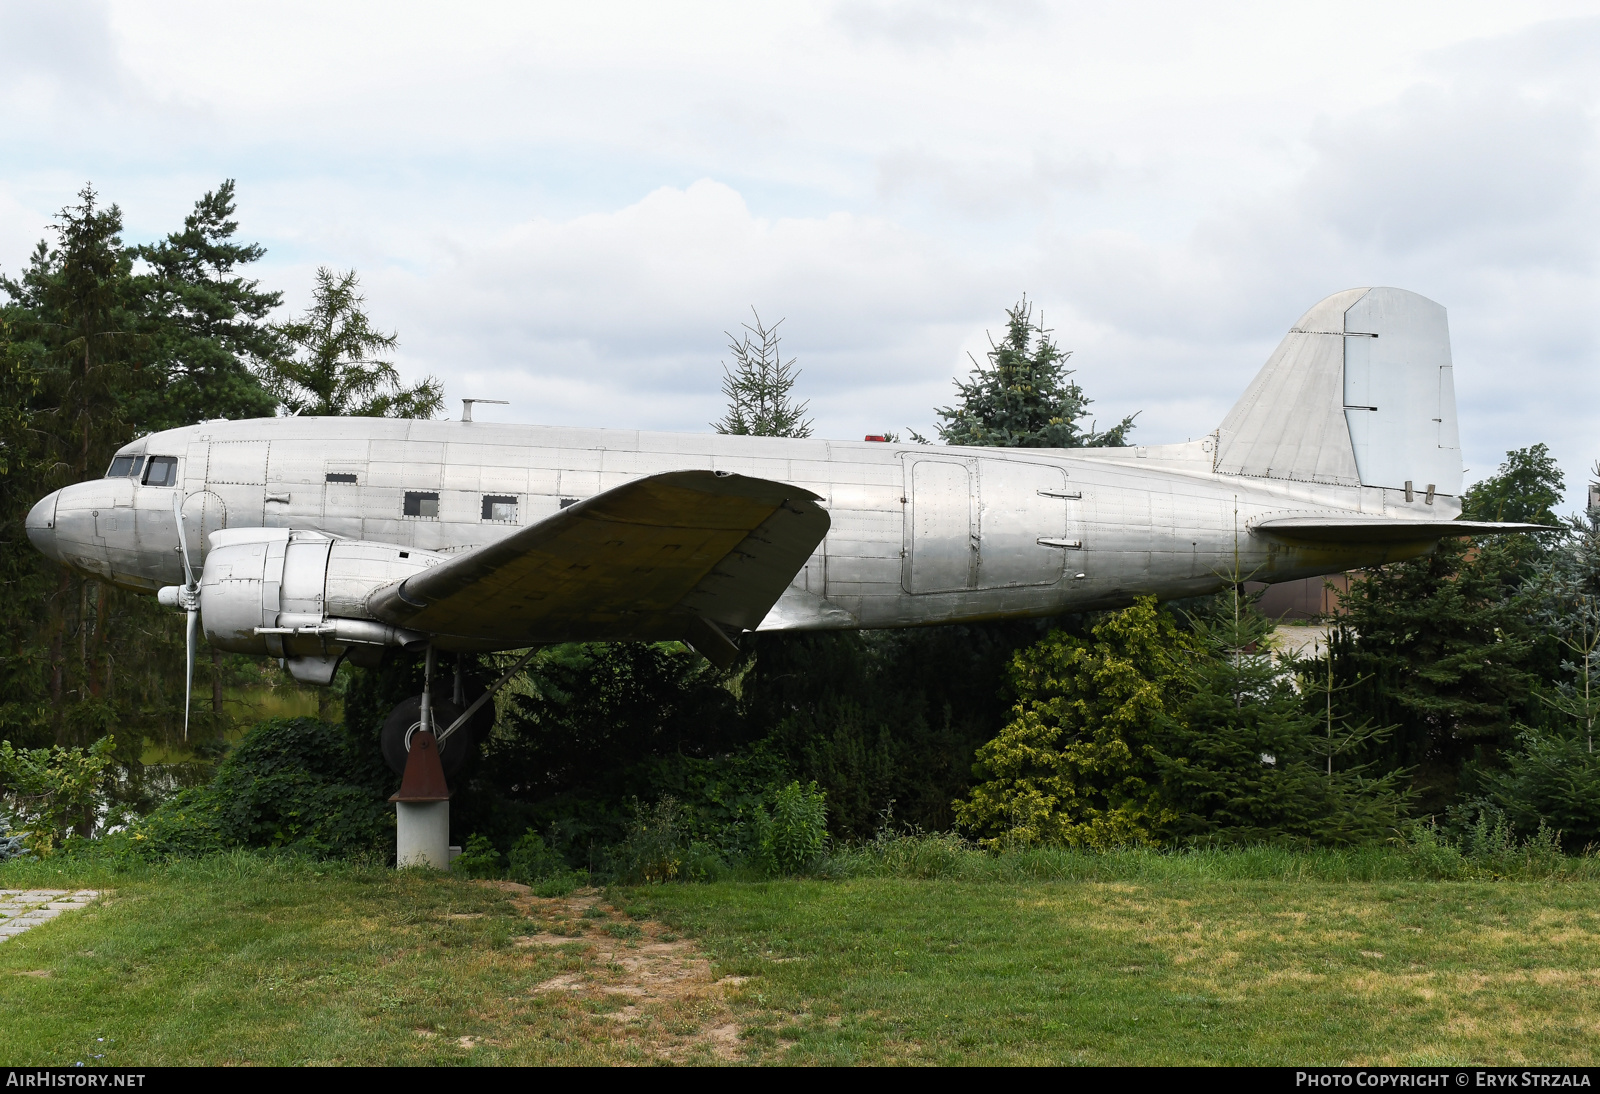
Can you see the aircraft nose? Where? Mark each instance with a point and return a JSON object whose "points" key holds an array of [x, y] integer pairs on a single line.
{"points": [[41, 525]]}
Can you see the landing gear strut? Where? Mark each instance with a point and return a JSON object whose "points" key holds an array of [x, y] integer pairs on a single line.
{"points": [[459, 724]]}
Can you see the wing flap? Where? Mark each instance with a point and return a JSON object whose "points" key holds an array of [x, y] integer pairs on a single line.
{"points": [[660, 557]]}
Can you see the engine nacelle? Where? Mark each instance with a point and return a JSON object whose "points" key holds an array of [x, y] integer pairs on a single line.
{"points": [[302, 596]]}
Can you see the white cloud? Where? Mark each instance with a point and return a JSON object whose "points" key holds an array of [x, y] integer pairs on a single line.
{"points": [[567, 205]]}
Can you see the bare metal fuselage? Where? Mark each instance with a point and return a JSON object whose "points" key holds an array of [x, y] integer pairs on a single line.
{"points": [[919, 534]]}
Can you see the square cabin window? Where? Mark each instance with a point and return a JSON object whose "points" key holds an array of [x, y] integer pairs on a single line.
{"points": [[161, 471], [497, 507], [422, 504]]}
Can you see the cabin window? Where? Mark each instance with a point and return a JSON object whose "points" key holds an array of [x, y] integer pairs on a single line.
{"points": [[121, 468], [161, 471], [568, 501], [340, 476], [422, 504], [497, 507]]}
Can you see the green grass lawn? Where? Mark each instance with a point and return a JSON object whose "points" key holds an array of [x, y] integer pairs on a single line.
{"points": [[244, 960]]}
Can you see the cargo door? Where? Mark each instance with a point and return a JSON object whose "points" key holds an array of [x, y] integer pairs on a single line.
{"points": [[942, 553], [1028, 523]]}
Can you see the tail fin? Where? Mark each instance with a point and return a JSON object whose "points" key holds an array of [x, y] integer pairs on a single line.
{"points": [[1359, 392]]}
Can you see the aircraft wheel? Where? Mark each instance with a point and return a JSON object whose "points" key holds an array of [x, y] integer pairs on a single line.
{"points": [[453, 752]]}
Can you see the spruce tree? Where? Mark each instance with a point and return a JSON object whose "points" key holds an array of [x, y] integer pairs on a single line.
{"points": [[329, 365], [83, 656], [1446, 646], [1552, 777], [1245, 758], [1024, 397], [206, 323], [25, 457], [1447, 656], [74, 310], [758, 387]]}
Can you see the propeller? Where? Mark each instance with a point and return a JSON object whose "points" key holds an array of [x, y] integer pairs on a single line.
{"points": [[189, 600]]}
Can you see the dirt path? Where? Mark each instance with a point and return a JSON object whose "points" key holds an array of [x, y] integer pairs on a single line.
{"points": [[657, 986]]}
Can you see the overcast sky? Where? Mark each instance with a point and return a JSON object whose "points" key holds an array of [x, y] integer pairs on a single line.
{"points": [[566, 205]]}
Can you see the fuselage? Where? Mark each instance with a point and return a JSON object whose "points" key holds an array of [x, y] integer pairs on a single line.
{"points": [[919, 534]]}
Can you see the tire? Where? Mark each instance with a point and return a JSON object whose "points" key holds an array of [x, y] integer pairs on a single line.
{"points": [[453, 753]]}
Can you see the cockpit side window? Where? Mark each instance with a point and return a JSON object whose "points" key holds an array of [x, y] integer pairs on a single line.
{"points": [[121, 467], [161, 471]]}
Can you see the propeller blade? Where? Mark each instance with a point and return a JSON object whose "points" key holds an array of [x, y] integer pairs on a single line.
{"points": [[188, 680], [183, 542], [191, 592]]}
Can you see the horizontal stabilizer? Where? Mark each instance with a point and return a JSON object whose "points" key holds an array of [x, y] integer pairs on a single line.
{"points": [[693, 555], [1355, 528]]}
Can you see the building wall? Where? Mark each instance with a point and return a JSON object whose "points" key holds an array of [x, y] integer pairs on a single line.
{"points": [[1308, 598]]}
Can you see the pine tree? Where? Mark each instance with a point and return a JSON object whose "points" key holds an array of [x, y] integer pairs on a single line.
{"points": [[758, 387], [206, 322], [1024, 399], [330, 367], [1076, 765]]}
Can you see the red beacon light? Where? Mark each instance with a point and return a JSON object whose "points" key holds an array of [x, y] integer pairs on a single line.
{"points": [[876, 437]]}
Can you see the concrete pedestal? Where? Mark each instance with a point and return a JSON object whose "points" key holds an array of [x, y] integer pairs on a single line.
{"points": [[422, 834]]}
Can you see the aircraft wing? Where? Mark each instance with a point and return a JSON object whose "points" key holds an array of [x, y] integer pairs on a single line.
{"points": [[689, 555], [1356, 528]]}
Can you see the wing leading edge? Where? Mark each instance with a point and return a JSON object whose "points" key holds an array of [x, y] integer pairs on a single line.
{"points": [[689, 555]]}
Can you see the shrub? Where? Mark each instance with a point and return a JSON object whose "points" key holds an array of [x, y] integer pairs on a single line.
{"points": [[478, 859], [540, 866], [291, 783], [654, 848], [533, 860], [11, 846], [795, 833], [1076, 764], [1488, 847], [1552, 780], [54, 791]]}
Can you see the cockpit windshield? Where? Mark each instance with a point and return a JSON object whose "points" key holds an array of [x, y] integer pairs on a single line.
{"points": [[161, 471], [121, 468]]}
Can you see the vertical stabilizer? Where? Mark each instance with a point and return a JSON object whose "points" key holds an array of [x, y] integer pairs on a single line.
{"points": [[1360, 392]]}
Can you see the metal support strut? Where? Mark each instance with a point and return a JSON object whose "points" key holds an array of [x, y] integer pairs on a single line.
{"points": [[427, 696]]}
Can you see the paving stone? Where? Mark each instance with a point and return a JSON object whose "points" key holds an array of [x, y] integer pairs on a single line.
{"points": [[24, 909]]}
